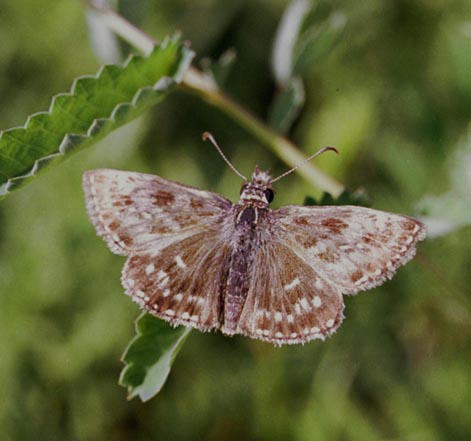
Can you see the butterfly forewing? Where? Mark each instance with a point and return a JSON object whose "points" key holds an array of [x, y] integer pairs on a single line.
{"points": [[137, 212], [355, 248]]}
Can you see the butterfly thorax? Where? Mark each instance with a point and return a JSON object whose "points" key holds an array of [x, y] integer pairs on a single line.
{"points": [[251, 209]]}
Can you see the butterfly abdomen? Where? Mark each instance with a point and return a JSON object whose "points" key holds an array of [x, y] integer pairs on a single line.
{"points": [[240, 266]]}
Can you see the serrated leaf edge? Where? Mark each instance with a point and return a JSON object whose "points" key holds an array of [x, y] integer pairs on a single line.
{"points": [[162, 85]]}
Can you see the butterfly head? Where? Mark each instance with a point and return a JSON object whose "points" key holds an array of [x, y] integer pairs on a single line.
{"points": [[259, 190]]}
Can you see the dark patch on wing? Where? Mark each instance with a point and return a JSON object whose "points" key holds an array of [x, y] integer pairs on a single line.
{"points": [[162, 198], [335, 225]]}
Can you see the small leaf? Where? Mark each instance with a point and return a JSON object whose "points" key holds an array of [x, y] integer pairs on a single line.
{"points": [[286, 106], [95, 106], [220, 69], [309, 200], [317, 41], [285, 40], [358, 197], [451, 210], [150, 356]]}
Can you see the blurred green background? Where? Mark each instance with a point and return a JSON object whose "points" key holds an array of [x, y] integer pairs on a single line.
{"points": [[394, 96]]}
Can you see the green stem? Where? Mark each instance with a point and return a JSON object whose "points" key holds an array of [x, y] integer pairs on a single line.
{"points": [[202, 85], [283, 148]]}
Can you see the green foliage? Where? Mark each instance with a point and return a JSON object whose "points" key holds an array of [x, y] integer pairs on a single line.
{"points": [[317, 41], [286, 105], [301, 42], [446, 212], [95, 106], [220, 69], [347, 197], [150, 356], [393, 95]]}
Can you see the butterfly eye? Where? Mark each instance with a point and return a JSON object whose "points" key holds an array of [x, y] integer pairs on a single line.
{"points": [[269, 194], [243, 188]]}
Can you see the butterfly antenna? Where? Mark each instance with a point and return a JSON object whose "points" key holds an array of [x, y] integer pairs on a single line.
{"points": [[206, 136], [322, 150]]}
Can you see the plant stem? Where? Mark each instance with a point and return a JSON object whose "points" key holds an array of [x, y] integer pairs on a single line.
{"points": [[202, 85], [284, 149]]}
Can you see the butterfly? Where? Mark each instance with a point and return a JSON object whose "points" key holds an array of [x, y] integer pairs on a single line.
{"points": [[278, 275]]}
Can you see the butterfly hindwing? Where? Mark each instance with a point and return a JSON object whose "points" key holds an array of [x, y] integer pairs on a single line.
{"points": [[182, 283], [355, 248], [137, 212], [288, 301]]}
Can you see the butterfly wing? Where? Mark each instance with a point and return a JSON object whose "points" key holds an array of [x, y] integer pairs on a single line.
{"points": [[174, 237], [353, 248], [310, 257], [288, 301], [182, 283], [137, 212]]}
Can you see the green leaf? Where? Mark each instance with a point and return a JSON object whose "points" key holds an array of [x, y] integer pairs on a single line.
{"points": [[150, 356], [95, 106], [347, 197], [285, 39], [286, 106], [220, 69], [444, 213], [317, 41]]}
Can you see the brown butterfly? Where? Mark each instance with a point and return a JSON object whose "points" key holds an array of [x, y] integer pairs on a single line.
{"points": [[196, 259]]}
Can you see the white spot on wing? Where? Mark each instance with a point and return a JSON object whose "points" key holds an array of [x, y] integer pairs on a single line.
{"points": [[162, 277], [305, 304], [150, 268], [180, 262], [320, 247], [317, 302], [295, 282], [130, 282]]}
